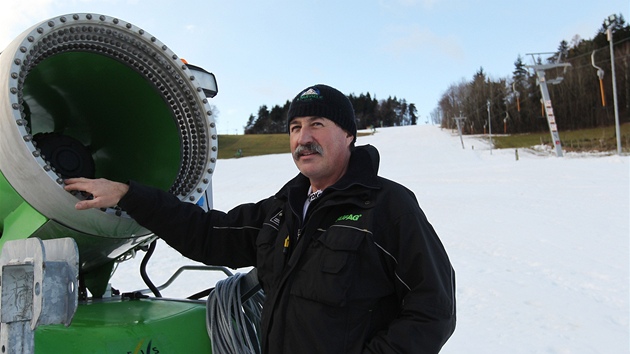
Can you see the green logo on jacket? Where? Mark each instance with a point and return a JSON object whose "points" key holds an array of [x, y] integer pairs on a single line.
{"points": [[353, 217]]}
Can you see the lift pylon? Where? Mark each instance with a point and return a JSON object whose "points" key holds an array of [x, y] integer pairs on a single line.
{"points": [[539, 69]]}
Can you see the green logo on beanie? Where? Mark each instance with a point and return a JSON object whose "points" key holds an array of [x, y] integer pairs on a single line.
{"points": [[310, 94]]}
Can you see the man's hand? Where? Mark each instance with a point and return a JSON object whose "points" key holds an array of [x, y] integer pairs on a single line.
{"points": [[105, 193]]}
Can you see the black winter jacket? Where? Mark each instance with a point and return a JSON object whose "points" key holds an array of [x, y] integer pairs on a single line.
{"points": [[364, 272]]}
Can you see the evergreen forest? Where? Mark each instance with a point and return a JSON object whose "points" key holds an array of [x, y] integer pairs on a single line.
{"points": [[580, 99], [369, 112]]}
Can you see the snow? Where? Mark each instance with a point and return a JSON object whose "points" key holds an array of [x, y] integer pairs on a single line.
{"points": [[540, 245]]}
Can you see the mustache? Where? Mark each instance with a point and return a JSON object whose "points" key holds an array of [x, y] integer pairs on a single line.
{"points": [[307, 149]]}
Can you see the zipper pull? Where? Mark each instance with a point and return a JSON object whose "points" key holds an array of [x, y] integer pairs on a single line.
{"points": [[285, 250]]}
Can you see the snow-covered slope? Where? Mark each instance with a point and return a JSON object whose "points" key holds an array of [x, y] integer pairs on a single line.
{"points": [[540, 245]]}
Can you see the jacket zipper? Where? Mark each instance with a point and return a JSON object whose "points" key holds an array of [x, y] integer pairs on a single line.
{"points": [[287, 246]]}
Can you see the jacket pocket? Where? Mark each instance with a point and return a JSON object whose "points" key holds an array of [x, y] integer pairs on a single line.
{"points": [[329, 267], [266, 257]]}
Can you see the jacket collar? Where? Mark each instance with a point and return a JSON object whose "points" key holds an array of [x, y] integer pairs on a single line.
{"points": [[362, 170]]}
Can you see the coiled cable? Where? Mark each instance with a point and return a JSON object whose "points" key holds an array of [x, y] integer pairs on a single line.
{"points": [[233, 325]]}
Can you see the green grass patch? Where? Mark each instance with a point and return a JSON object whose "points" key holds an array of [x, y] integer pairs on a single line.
{"points": [[252, 145], [255, 145], [595, 139]]}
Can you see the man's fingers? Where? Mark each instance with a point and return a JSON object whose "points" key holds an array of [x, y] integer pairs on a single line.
{"points": [[105, 193], [74, 180], [76, 184], [83, 205], [94, 203]]}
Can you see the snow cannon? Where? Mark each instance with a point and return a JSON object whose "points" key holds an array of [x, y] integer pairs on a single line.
{"points": [[88, 95]]}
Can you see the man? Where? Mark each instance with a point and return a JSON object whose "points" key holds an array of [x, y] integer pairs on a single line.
{"points": [[347, 259]]}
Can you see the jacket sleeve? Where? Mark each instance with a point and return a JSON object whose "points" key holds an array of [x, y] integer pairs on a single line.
{"points": [[213, 237], [425, 286]]}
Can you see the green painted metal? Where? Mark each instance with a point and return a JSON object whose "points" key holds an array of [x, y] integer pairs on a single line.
{"points": [[118, 114], [137, 124], [10, 200], [18, 220], [21, 223], [96, 280], [145, 326]]}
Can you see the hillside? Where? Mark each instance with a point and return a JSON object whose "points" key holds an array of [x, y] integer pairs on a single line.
{"points": [[539, 245], [596, 139]]}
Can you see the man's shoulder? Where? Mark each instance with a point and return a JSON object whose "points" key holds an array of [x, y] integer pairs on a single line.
{"points": [[394, 193], [393, 186]]}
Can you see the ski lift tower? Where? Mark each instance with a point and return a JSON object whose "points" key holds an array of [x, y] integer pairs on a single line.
{"points": [[539, 69], [458, 120]]}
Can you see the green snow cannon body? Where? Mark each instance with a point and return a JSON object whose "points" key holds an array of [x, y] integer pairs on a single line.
{"points": [[97, 97], [91, 95]]}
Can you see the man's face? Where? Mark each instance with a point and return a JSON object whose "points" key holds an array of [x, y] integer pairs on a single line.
{"points": [[320, 149]]}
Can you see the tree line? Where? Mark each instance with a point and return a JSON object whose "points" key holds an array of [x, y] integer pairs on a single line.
{"points": [[369, 112], [579, 98]]}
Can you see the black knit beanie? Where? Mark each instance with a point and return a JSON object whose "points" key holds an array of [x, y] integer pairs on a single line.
{"points": [[324, 101]]}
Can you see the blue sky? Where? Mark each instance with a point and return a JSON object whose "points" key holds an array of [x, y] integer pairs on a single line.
{"points": [[265, 52]]}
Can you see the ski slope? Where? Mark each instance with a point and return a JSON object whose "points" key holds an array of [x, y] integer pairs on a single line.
{"points": [[540, 245]]}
